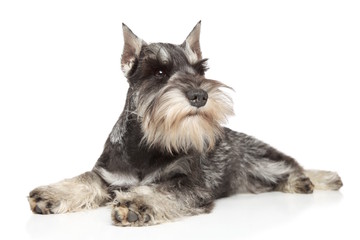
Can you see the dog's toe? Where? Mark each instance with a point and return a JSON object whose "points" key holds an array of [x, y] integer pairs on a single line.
{"points": [[38, 210], [117, 217], [147, 218]]}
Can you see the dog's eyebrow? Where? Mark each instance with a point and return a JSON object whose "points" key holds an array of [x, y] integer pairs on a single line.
{"points": [[201, 66], [159, 53], [157, 61]]}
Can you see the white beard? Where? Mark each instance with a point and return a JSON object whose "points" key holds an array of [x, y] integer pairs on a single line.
{"points": [[174, 125]]}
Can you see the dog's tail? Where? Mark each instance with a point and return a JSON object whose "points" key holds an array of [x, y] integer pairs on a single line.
{"points": [[324, 180]]}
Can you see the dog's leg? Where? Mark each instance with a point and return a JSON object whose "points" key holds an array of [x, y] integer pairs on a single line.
{"points": [[274, 172], [297, 179], [154, 204], [257, 167], [308, 180], [70, 195], [290, 177], [296, 182], [324, 180], [267, 170]]}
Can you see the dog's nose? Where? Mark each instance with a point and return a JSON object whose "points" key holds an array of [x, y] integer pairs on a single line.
{"points": [[197, 97]]}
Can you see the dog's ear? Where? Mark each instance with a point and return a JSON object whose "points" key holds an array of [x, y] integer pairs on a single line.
{"points": [[132, 47], [192, 44]]}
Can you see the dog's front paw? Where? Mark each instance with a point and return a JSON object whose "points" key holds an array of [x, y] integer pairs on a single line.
{"points": [[43, 201], [133, 213]]}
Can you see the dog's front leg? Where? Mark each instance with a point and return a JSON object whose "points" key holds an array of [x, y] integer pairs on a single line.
{"points": [[70, 195], [154, 204]]}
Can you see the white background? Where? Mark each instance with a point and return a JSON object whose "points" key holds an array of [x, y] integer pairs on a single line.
{"points": [[295, 68]]}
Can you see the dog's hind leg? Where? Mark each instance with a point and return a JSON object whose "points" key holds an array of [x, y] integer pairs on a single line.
{"points": [[308, 180], [296, 182], [85, 191], [267, 169], [324, 180]]}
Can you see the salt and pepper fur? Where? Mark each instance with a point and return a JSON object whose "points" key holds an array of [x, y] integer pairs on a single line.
{"points": [[165, 158]]}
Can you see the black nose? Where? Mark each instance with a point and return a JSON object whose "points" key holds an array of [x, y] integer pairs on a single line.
{"points": [[197, 97]]}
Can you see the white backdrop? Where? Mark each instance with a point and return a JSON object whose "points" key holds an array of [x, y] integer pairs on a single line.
{"points": [[295, 68]]}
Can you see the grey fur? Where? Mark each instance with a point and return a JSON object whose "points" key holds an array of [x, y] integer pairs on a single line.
{"points": [[165, 159]]}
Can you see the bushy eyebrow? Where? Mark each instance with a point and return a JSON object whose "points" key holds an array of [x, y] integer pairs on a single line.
{"points": [[158, 58], [158, 64], [201, 66]]}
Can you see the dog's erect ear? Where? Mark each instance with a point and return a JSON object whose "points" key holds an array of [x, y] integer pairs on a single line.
{"points": [[192, 44], [132, 47]]}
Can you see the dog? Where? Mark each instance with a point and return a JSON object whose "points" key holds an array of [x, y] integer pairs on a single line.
{"points": [[168, 155]]}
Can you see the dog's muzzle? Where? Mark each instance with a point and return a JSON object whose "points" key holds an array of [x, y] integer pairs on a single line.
{"points": [[197, 97]]}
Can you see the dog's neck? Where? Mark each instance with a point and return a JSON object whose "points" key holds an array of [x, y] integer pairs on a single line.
{"points": [[128, 114], [125, 139]]}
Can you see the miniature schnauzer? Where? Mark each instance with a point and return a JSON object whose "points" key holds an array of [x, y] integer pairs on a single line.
{"points": [[168, 155]]}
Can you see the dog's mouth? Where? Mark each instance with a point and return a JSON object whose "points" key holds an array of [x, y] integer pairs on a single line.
{"points": [[195, 112], [198, 113]]}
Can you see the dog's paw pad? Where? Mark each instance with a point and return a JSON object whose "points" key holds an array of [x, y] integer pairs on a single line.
{"points": [[128, 213], [132, 217]]}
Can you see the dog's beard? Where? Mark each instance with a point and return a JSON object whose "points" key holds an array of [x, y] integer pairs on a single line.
{"points": [[170, 123]]}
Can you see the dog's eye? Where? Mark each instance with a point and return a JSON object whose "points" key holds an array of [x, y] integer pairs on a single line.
{"points": [[160, 74]]}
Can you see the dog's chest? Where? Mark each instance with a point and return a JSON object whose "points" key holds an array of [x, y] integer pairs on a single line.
{"points": [[122, 179]]}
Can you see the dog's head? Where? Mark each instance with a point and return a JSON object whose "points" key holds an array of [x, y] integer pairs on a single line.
{"points": [[179, 109]]}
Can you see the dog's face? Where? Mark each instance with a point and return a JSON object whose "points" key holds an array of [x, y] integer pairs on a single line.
{"points": [[179, 109]]}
